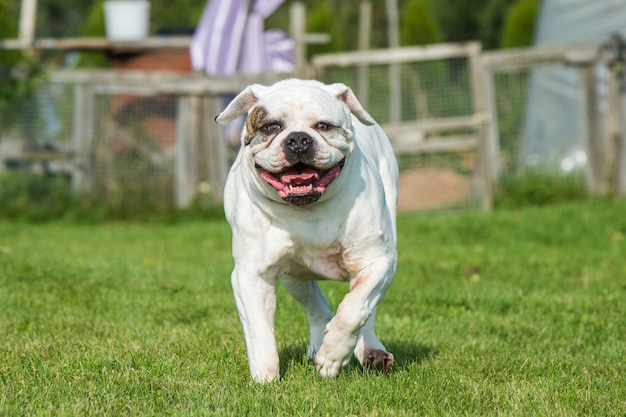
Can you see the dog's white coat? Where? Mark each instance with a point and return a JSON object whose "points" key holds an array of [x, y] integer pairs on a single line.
{"points": [[349, 234]]}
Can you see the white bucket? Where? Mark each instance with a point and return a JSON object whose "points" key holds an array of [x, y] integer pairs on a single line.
{"points": [[126, 20]]}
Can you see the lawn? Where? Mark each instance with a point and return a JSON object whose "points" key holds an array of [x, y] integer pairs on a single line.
{"points": [[521, 312]]}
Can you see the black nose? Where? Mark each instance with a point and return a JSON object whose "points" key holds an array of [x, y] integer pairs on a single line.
{"points": [[298, 142]]}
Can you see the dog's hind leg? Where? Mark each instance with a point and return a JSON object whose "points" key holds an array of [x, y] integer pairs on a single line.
{"points": [[369, 351], [317, 308]]}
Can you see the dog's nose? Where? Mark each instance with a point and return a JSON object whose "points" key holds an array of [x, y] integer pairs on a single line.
{"points": [[298, 142]]}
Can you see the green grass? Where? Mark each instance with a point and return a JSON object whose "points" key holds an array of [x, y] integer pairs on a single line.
{"points": [[521, 312]]}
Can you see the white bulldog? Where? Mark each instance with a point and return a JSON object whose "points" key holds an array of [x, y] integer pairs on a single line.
{"points": [[312, 195]]}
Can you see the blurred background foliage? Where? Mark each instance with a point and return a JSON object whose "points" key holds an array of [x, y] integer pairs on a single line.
{"points": [[519, 18], [421, 21], [419, 24], [493, 22]]}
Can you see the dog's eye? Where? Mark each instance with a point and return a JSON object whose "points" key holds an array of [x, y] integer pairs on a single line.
{"points": [[322, 126], [272, 127]]}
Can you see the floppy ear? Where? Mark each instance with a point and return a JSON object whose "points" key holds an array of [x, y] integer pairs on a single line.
{"points": [[241, 103], [345, 94]]}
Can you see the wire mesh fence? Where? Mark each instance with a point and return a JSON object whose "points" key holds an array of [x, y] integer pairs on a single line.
{"points": [[133, 151], [541, 119], [439, 165], [558, 121], [511, 97], [545, 113], [131, 139], [39, 129], [134, 142]]}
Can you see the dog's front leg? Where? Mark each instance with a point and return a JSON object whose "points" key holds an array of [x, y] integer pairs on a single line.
{"points": [[256, 302], [366, 290]]}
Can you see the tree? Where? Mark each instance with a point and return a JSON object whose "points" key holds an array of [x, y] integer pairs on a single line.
{"points": [[519, 25], [320, 20], [490, 21], [17, 73], [419, 25], [463, 20]]}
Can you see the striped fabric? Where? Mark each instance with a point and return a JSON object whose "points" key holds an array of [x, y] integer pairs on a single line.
{"points": [[230, 38]]}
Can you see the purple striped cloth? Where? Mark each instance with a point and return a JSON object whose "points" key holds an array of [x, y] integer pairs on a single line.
{"points": [[230, 39]]}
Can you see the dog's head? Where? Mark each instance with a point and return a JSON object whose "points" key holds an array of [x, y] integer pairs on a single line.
{"points": [[298, 134]]}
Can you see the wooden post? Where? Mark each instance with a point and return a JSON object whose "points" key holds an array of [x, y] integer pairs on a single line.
{"points": [[612, 129], [492, 139], [614, 53], [297, 23], [365, 25], [28, 18], [395, 82], [200, 149], [595, 175], [82, 138], [619, 144], [187, 133], [481, 94], [215, 150]]}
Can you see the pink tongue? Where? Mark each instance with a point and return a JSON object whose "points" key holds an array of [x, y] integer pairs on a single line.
{"points": [[297, 177]]}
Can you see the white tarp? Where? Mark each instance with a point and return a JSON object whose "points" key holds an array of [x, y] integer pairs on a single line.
{"points": [[554, 128]]}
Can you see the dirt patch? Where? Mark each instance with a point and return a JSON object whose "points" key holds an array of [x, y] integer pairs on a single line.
{"points": [[427, 188]]}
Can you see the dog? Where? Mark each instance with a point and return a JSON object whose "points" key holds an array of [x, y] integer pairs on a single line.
{"points": [[311, 195]]}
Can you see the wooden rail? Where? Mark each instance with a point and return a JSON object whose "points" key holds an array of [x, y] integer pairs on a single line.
{"points": [[397, 55], [524, 58], [413, 137], [157, 42], [200, 154], [163, 82]]}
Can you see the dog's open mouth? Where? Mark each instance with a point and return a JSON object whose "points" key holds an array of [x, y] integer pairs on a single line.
{"points": [[301, 184]]}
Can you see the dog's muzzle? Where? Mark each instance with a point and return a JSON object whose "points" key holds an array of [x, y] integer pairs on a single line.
{"points": [[301, 184]]}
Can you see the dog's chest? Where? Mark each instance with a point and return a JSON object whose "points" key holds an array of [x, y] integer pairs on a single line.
{"points": [[308, 262]]}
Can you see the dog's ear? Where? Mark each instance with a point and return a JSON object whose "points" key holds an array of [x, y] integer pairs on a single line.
{"points": [[241, 103], [345, 94]]}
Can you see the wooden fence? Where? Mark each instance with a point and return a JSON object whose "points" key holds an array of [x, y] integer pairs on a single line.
{"points": [[201, 156], [606, 152], [409, 136], [604, 133]]}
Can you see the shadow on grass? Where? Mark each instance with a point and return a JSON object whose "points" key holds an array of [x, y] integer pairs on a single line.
{"points": [[405, 354]]}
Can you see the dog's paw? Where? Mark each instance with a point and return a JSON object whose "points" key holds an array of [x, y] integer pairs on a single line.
{"points": [[378, 360], [264, 375], [329, 367]]}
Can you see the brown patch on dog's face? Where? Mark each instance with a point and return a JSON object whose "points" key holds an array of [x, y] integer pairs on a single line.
{"points": [[257, 119], [298, 143]]}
